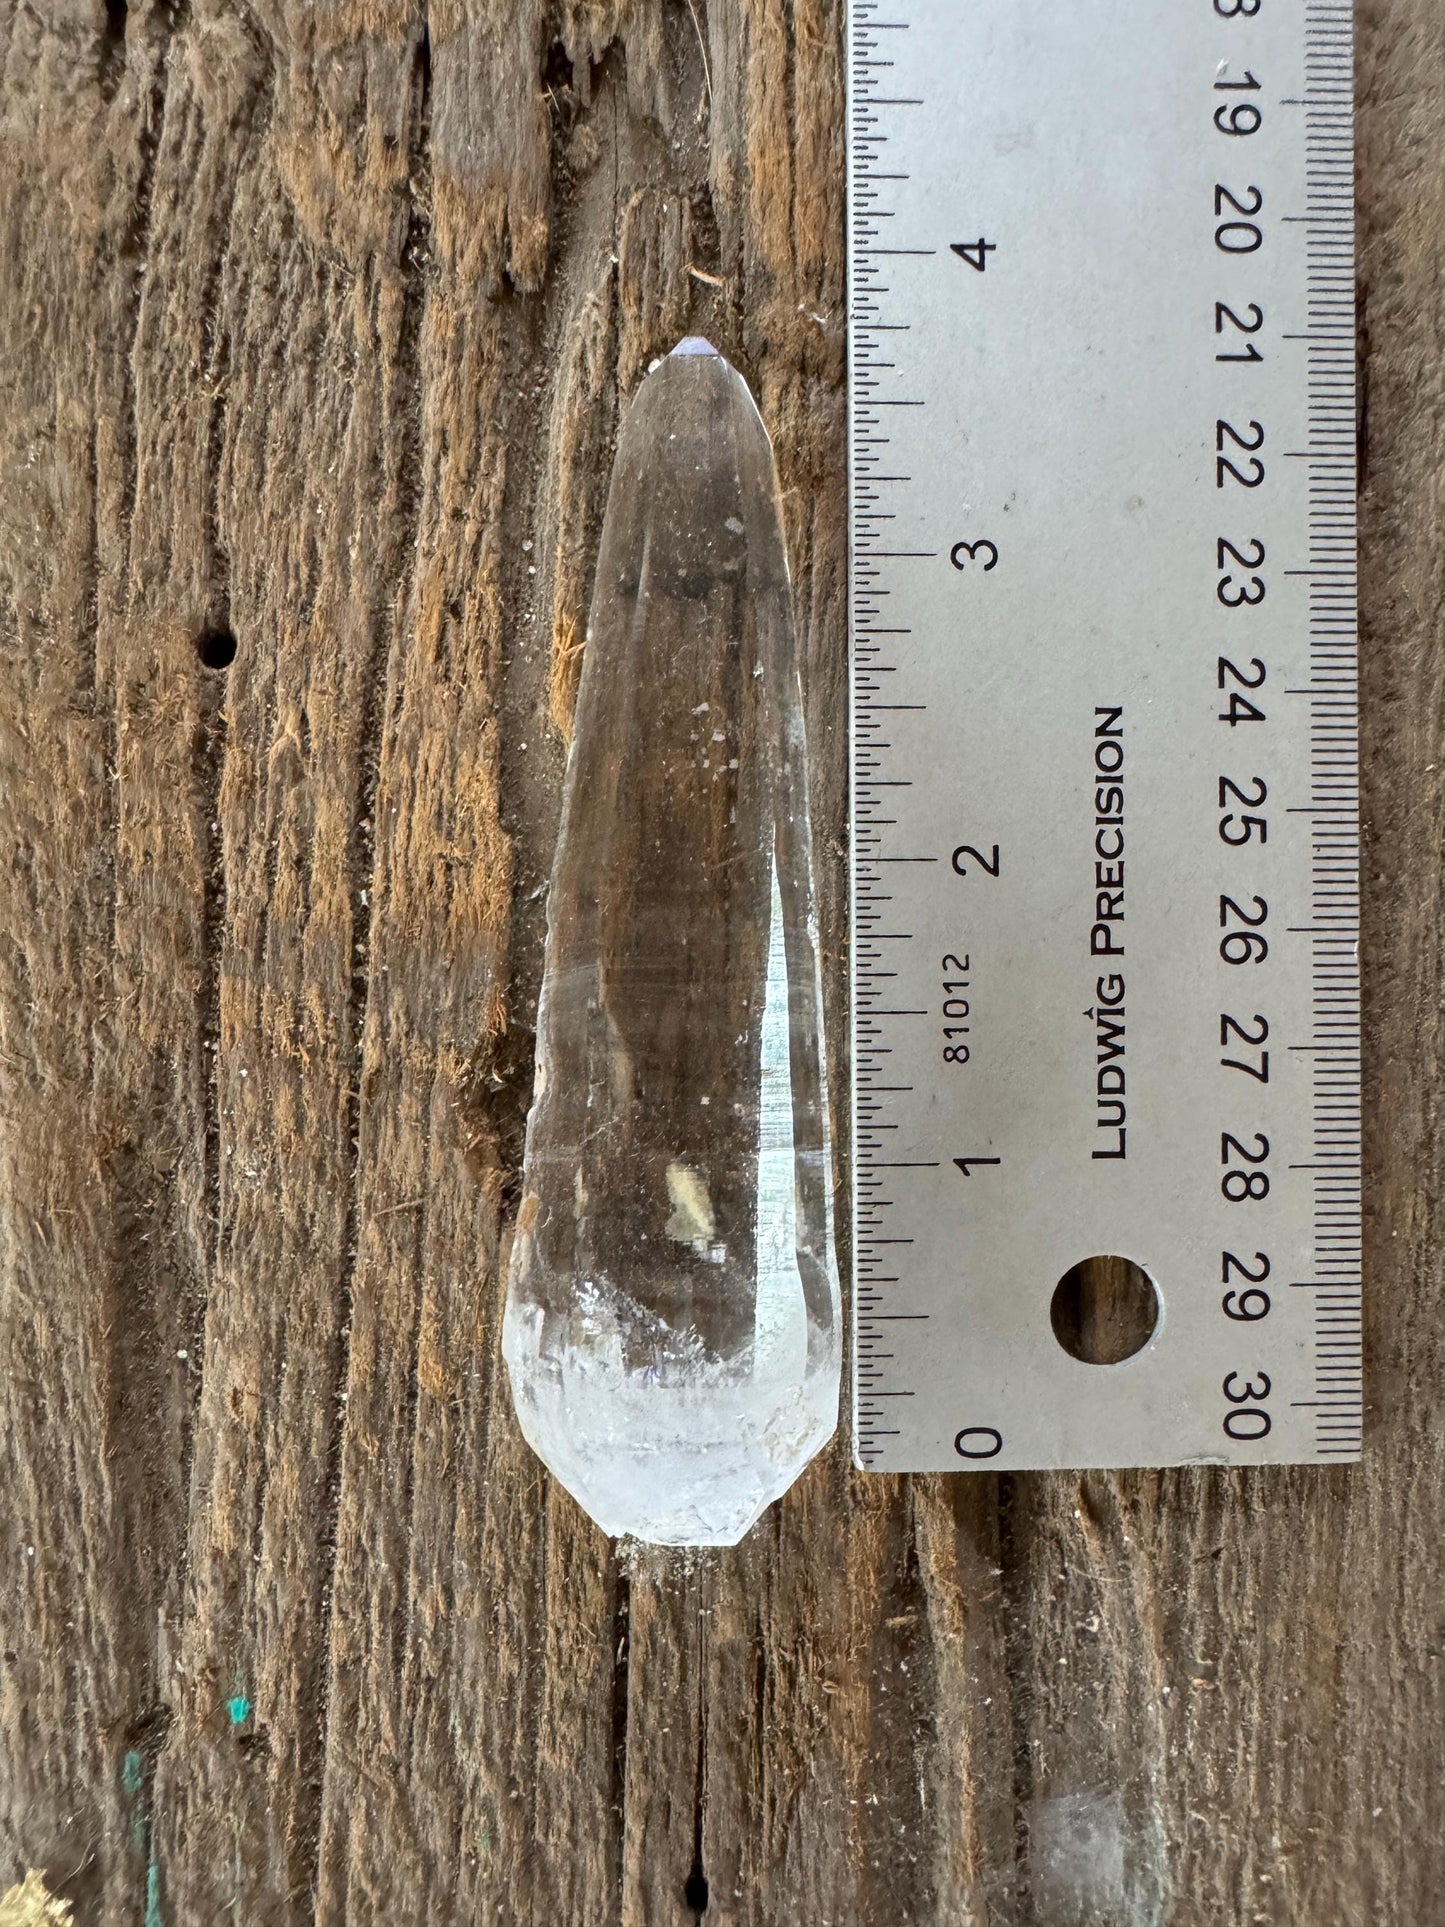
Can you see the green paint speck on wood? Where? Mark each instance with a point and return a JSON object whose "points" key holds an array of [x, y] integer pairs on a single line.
{"points": [[153, 1896], [239, 1709]]}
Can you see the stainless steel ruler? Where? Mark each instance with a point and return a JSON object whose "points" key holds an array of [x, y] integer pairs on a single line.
{"points": [[1105, 831]]}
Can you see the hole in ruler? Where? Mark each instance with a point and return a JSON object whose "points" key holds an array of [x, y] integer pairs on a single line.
{"points": [[1104, 1310]]}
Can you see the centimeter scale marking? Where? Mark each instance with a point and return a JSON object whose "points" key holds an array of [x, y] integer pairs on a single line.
{"points": [[1104, 726]]}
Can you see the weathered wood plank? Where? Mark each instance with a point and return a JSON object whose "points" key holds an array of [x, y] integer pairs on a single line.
{"points": [[316, 327]]}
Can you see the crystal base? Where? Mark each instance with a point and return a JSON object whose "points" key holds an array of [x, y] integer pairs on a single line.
{"points": [[693, 1463]]}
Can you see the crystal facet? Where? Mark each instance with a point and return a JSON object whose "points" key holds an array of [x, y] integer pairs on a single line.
{"points": [[672, 1323]]}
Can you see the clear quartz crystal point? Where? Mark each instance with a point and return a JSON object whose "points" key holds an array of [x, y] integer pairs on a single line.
{"points": [[672, 1323]]}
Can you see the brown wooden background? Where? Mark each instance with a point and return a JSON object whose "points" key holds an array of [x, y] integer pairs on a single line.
{"points": [[314, 314]]}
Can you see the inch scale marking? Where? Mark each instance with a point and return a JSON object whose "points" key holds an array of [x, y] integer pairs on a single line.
{"points": [[1104, 726]]}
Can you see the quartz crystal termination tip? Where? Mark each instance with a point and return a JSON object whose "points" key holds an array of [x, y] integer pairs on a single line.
{"points": [[672, 1330]]}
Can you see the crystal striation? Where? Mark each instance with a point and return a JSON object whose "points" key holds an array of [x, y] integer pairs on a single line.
{"points": [[672, 1329]]}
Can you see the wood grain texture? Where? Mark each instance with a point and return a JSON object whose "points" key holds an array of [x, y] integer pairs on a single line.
{"points": [[316, 321]]}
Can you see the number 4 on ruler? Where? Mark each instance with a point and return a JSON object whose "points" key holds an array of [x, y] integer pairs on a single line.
{"points": [[976, 253]]}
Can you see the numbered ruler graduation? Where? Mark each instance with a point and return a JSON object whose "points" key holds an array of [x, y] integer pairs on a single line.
{"points": [[1104, 730]]}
